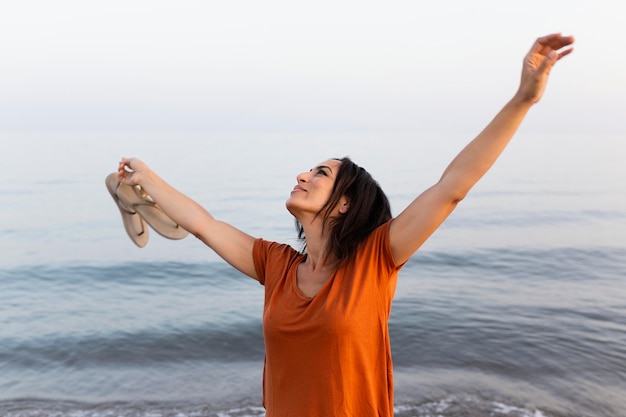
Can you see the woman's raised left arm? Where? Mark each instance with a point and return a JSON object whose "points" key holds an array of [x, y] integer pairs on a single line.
{"points": [[426, 213]]}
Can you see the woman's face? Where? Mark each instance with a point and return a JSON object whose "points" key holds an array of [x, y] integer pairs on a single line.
{"points": [[313, 189]]}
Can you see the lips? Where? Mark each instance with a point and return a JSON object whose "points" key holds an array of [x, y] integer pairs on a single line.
{"points": [[297, 188]]}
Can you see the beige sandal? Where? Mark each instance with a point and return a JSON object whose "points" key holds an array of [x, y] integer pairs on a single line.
{"points": [[135, 226], [143, 204]]}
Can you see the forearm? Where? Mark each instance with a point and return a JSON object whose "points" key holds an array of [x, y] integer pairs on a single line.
{"points": [[180, 208], [482, 152], [230, 243]]}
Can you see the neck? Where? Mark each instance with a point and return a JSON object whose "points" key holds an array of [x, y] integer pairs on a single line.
{"points": [[317, 247]]}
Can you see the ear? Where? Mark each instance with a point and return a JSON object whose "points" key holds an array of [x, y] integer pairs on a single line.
{"points": [[344, 205]]}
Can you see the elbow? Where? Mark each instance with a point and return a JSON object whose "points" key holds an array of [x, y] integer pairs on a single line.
{"points": [[458, 196], [454, 192]]}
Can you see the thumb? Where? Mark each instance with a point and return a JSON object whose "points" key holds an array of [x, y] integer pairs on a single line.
{"points": [[128, 164], [548, 62], [125, 171]]}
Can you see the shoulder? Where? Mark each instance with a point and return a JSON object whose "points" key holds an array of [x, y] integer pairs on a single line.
{"points": [[272, 257], [377, 248], [264, 247], [377, 240]]}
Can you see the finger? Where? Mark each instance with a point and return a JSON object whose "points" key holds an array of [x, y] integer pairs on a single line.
{"points": [[543, 45], [565, 52], [123, 167], [556, 41], [551, 42], [563, 42], [126, 164]]}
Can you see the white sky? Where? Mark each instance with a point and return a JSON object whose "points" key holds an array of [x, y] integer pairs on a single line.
{"points": [[292, 65]]}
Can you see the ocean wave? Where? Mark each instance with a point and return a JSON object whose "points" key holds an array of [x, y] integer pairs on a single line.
{"points": [[533, 219], [449, 406], [138, 349], [153, 330], [562, 264]]}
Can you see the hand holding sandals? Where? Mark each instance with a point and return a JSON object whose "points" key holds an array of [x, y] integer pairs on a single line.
{"points": [[137, 208]]}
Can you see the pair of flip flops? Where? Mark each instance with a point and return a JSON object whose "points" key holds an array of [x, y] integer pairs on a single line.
{"points": [[139, 210]]}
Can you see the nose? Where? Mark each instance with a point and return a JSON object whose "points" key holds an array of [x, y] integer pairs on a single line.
{"points": [[303, 177]]}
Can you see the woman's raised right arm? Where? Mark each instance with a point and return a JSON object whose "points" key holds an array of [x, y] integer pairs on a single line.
{"points": [[230, 243]]}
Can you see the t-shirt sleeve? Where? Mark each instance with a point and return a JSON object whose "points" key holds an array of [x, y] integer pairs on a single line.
{"points": [[379, 243], [259, 255], [271, 259]]}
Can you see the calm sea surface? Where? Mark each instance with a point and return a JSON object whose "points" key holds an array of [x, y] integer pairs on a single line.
{"points": [[516, 307]]}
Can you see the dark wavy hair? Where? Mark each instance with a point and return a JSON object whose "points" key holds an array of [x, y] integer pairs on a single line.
{"points": [[369, 208]]}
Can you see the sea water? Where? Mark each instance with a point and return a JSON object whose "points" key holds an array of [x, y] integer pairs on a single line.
{"points": [[516, 307]]}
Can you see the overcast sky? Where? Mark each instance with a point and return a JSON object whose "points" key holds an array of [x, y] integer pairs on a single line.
{"points": [[291, 65]]}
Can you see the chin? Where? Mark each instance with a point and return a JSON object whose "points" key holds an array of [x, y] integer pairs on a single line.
{"points": [[291, 207], [300, 210]]}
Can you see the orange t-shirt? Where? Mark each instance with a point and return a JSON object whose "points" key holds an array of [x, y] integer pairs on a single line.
{"points": [[328, 355]]}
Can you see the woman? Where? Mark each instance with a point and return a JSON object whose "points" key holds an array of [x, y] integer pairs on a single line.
{"points": [[327, 307]]}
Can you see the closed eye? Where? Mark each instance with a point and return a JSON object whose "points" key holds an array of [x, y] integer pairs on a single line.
{"points": [[322, 170]]}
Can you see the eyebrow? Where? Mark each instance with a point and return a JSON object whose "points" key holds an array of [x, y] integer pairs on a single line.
{"points": [[324, 166]]}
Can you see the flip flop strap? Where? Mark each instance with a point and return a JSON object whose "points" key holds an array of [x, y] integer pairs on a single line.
{"points": [[146, 200], [121, 204]]}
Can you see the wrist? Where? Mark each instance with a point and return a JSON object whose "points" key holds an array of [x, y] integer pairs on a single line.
{"points": [[148, 179], [522, 100]]}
